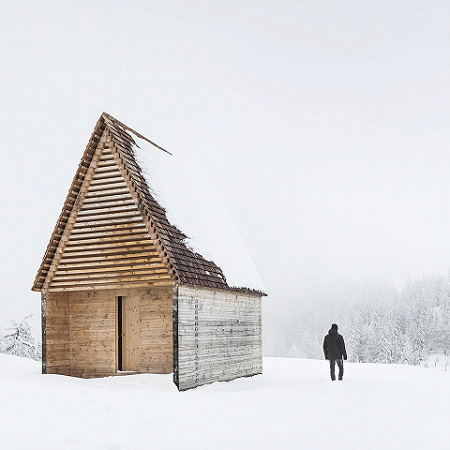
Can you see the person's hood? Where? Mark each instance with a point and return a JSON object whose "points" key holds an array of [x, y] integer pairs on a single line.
{"points": [[333, 331]]}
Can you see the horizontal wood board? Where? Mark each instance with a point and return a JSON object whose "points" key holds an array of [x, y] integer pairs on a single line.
{"points": [[219, 336]]}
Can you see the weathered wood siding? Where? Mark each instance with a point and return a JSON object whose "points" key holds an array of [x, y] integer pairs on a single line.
{"points": [[130, 333], [55, 333], [219, 336], [92, 335], [109, 245], [156, 340], [80, 333]]}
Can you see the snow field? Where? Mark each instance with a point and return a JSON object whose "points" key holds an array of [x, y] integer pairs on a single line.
{"points": [[293, 405]]}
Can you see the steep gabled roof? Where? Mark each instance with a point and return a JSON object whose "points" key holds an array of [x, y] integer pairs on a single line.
{"points": [[186, 265]]}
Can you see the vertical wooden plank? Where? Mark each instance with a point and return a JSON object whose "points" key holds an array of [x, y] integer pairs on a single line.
{"points": [[155, 334], [44, 330], [130, 326], [175, 337], [92, 333], [56, 334]]}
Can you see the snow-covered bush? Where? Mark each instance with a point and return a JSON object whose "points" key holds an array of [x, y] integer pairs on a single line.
{"points": [[18, 340]]}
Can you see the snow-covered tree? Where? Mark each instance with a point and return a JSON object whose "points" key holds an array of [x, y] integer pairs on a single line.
{"points": [[19, 341]]}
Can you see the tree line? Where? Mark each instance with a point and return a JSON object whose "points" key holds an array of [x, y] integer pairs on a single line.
{"points": [[380, 323]]}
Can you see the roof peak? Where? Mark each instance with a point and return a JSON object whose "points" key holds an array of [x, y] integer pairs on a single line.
{"points": [[107, 116]]}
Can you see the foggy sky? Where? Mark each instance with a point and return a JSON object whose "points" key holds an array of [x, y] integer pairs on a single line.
{"points": [[325, 126]]}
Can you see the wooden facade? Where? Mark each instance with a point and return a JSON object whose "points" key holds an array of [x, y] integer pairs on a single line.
{"points": [[82, 331], [219, 336], [120, 291]]}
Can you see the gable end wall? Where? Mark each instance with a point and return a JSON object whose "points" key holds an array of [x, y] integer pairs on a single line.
{"points": [[108, 244]]}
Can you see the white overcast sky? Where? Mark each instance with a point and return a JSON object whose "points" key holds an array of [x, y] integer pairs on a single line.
{"points": [[324, 124]]}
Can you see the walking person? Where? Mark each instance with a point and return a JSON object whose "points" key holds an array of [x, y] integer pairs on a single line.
{"points": [[334, 351]]}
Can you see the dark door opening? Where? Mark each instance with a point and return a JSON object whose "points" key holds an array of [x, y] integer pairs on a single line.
{"points": [[128, 333], [119, 333]]}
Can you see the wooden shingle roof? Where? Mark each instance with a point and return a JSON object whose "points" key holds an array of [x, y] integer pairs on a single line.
{"points": [[187, 266]]}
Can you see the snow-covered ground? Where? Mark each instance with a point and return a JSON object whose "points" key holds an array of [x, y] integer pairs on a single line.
{"points": [[293, 405]]}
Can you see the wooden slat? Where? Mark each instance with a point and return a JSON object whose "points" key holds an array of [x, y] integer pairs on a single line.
{"points": [[107, 201], [99, 199], [127, 244], [103, 170], [80, 279], [108, 222], [111, 206], [105, 175], [117, 238], [117, 210], [100, 260], [112, 286], [112, 251], [114, 178], [108, 193], [112, 185], [113, 216], [112, 268], [104, 275], [107, 156], [103, 185], [107, 163], [106, 261], [109, 230], [126, 282]]}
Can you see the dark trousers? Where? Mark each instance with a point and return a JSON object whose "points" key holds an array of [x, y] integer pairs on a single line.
{"points": [[340, 364]]}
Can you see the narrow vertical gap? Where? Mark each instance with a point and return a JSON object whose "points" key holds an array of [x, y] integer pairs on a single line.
{"points": [[119, 333]]}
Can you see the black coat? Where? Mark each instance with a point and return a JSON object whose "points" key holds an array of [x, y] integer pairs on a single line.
{"points": [[333, 345]]}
